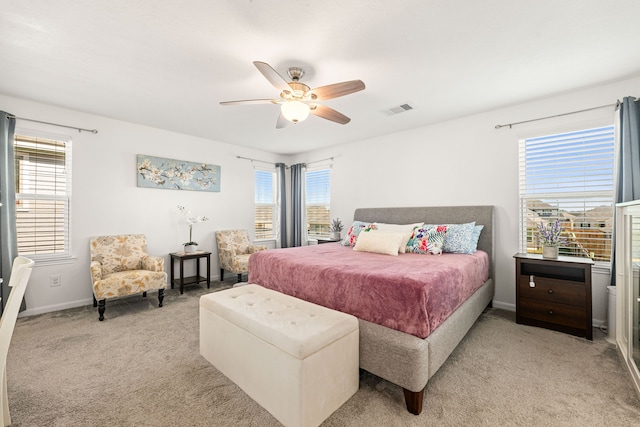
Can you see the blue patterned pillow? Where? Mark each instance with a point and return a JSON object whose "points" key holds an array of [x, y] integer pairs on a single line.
{"points": [[427, 239], [459, 238], [476, 236]]}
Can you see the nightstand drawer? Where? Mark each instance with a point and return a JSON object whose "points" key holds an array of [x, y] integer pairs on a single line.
{"points": [[553, 290], [558, 314]]}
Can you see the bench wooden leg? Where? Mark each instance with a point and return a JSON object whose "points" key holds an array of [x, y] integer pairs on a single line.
{"points": [[413, 399]]}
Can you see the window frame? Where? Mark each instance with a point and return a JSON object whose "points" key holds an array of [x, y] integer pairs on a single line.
{"points": [[327, 204], [587, 198], [275, 205], [23, 136]]}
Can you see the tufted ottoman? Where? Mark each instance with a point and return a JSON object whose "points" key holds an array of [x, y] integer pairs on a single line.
{"points": [[298, 360]]}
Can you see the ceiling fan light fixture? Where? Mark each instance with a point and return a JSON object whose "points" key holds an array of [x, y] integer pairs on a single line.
{"points": [[295, 111]]}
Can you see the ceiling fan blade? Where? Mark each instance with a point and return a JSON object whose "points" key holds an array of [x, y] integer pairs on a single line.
{"points": [[250, 101], [282, 122], [272, 75], [337, 89], [329, 114]]}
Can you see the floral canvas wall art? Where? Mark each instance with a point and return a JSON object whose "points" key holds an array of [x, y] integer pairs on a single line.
{"points": [[158, 172]]}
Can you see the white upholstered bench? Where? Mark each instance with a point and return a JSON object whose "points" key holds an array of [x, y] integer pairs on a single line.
{"points": [[298, 360]]}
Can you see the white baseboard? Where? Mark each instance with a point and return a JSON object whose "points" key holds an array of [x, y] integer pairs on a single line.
{"points": [[56, 307], [504, 305]]}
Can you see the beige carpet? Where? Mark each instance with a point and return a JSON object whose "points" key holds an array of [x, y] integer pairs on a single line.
{"points": [[142, 367]]}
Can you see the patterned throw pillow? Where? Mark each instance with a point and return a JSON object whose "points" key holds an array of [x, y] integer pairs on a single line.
{"points": [[356, 228], [427, 239], [459, 238]]}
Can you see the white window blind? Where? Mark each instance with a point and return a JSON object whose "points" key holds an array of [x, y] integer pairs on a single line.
{"points": [[266, 214], [569, 176], [318, 201], [43, 197]]}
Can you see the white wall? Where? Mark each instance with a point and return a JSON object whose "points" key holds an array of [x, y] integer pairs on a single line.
{"points": [[106, 199], [459, 162], [465, 162]]}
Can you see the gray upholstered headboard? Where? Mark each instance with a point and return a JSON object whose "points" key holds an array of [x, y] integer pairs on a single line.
{"points": [[482, 215]]}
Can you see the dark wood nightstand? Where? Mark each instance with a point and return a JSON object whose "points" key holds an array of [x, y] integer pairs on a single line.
{"points": [[554, 293], [181, 256]]}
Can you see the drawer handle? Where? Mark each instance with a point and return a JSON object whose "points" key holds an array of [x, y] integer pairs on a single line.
{"points": [[532, 283], [551, 312], [550, 291]]}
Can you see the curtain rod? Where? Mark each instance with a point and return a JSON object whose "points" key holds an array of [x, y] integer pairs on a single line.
{"points": [[271, 163], [322, 160], [255, 160], [94, 131], [510, 125]]}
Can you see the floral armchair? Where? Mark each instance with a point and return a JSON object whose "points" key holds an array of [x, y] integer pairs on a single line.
{"points": [[120, 266], [234, 250]]}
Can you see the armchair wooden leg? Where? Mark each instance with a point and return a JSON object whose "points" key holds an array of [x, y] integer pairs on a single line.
{"points": [[240, 277], [144, 295], [221, 274], [101, 307], [95, 301], [160, 297]]}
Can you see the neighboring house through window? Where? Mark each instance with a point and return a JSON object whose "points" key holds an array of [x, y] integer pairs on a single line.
{"points": [[318, 201], [43, 196], [569, 176], [266, 204]]}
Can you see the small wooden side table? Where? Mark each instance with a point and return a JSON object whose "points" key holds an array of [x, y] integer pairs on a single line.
{"points": [[181, 256], [554, 293]]}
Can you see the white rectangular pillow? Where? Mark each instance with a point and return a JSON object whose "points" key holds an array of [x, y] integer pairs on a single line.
{"points": [[381, 243], [395, 228], [407, 229]]}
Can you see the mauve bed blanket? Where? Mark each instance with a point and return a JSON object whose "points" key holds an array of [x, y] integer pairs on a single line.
{"points": [[412, 293]]}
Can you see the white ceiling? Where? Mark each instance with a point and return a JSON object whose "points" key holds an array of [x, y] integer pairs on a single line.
{"points": [[168, 63]]}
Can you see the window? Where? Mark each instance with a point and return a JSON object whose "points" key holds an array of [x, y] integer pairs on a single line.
{"points": [[266, 208], [569, 176], [317, 192], [43, 197]]}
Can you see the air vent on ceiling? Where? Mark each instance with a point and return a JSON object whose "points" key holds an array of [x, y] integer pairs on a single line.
{"points": [[400, 109]]}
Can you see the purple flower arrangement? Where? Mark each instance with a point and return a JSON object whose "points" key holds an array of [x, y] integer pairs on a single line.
{"points": [[550, 234]]}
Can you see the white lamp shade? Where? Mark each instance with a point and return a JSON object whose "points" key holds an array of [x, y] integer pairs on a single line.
{"points": [[295, 111]]}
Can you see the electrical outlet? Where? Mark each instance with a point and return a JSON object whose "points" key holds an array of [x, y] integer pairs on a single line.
{"points": [[54, 280]]}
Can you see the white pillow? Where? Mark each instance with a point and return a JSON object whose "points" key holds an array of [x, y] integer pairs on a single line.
{"points": [[407, 229], [396, 228], [403, 244], [380, 243]]}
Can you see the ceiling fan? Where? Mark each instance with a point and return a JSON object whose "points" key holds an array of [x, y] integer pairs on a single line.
{"points": [[297, 100]]}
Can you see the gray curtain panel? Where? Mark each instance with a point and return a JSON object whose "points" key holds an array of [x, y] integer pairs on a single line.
{"points": [[8, 240], [628, 182], [280, 171], [297, 203], [629, 152]]}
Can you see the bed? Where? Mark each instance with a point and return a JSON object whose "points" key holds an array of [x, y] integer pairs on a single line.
{"points": [[406, 348]]}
